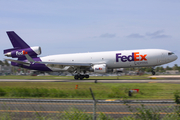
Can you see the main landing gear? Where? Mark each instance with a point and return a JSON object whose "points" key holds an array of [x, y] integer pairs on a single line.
{"points": [[153, 72], [81, 77]]}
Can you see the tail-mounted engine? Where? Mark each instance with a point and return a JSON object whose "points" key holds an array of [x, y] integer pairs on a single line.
{"points": [[17, 53]]}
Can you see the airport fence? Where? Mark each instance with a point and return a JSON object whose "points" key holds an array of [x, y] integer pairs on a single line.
{"points": [[53, 109]]}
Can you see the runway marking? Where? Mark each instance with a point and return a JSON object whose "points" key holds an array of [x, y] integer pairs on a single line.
{"points": [[110, 100], [13, 111], [120, 104], [153, 82]]}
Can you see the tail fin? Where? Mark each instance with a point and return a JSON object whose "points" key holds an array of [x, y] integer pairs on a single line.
{"points": [[16, 41], [21, 48]]}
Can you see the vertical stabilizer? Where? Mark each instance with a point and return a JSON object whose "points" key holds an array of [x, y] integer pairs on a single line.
{"points": [[20, 48], [16, 41]]}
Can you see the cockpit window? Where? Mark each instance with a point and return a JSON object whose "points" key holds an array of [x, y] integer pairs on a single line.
{"points": [[170, 53]]}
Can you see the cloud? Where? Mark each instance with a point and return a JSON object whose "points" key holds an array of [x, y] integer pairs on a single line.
{"points": [[157, 34], [107, 35], [136, 35], [153, 35]]}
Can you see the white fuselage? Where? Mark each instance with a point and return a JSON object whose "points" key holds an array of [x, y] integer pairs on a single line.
{"points": [[117, 59]]}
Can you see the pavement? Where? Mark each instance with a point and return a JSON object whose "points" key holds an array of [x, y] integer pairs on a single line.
{"points": [[176, 81], [35, 108]]}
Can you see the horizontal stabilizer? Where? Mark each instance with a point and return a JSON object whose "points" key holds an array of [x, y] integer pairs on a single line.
{"points": [[9, 50], [19, 62]]}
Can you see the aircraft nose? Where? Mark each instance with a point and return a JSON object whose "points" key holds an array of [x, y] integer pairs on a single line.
{"points": [[175, 57]]}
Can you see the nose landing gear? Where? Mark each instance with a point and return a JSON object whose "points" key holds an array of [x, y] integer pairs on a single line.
{"points": [[153, 72]]}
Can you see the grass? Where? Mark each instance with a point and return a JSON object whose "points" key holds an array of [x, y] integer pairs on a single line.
{"points": [[66, 90], [71, 77]]}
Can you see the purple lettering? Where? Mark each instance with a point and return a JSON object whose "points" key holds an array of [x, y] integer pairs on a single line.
{"points": [[131, 57], [123, 58], [117, 57]]}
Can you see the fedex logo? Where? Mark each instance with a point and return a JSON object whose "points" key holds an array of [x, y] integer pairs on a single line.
{"points": [[134, 57], [21, 53], [98, 68]]}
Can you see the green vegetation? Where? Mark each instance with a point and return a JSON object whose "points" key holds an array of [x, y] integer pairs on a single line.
{"points": [[75, 114], [157, 69], [151, 114], [144, 113], [71, 114], [101, 90]]}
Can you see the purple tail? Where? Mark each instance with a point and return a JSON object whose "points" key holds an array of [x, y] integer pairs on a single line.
{"points": [[20, 48], [16, 41]]}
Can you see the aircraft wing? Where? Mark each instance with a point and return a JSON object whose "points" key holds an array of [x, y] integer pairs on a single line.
{"points": [[67, 64]]}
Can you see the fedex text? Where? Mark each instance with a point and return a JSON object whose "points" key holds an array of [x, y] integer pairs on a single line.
{"points": [[19, 53], [134, 57]]}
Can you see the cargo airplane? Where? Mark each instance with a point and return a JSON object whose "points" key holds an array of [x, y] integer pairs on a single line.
{"points": [[80, 63]]}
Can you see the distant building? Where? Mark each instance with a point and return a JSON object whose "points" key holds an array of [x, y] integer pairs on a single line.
{"points": [[118, 70], [172, 72], [131, 73], [5, 69]]}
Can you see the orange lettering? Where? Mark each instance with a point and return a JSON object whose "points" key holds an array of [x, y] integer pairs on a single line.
{"points": [[24, 52], [143, 57], [135, 56]]}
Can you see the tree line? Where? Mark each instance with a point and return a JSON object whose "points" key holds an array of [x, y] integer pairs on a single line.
{"points": [[157, 69]]}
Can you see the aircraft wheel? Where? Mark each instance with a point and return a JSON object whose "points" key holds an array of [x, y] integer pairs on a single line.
{"points": [[81, 77], [76, 77], [86, 76], [153, 73]]}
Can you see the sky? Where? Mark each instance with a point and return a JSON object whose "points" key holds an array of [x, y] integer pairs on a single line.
{"points": [[78, 26]]}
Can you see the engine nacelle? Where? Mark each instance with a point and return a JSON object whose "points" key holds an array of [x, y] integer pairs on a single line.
{"points": [[32, 51], [100, 68]]}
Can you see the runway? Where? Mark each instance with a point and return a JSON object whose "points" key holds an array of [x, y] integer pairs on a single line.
{"points": [[31, 108], [176, 81]]}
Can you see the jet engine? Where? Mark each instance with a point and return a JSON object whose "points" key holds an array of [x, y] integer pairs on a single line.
{"points": [[100, 68]]}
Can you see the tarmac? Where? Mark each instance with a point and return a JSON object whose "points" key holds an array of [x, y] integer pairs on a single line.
{"points": [[176, 81]]}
